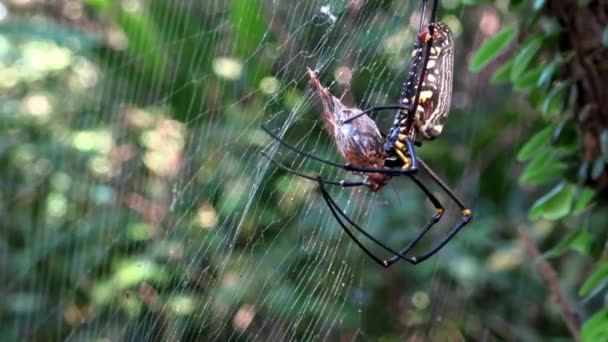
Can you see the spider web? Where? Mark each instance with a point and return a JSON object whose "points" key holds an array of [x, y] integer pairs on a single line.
{"points": [[162, 221]]}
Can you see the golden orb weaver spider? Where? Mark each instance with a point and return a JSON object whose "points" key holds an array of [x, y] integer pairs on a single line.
{"points": [[422, 109]]}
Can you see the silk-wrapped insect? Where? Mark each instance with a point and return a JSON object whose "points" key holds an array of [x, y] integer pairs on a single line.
{"points": [[421, 113]]}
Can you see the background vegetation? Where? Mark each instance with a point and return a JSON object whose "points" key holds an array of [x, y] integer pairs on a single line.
{"points": [[135, 205]]}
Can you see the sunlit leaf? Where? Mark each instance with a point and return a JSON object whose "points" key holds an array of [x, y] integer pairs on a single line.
{"points": [[578, 240], [554, 205], [554, 101], [493, 48], [597, 169], [475, 2], [529, 79], [544, 167], [547, 75], [583, 172], [595, 328], [604, 144], [248, 21], [538, 4], [524, 57], [599, 276], [534, 144], [502, 74]]}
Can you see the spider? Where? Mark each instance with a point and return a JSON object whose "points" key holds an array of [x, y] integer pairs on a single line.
{"points": [[421, 112]]}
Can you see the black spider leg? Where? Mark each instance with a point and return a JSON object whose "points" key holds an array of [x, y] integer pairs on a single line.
{"points": [[342, 183], [337, 212], [348, 167], [467, 215]]}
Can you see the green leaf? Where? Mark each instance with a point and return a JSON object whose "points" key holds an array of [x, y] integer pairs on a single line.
{"points": [[555, 205], [604, 144], [583, 3], [597, 169], [605, 36], [583, 172], [529, 79], [536, 97], [547, 75], [555, 99], [474, 2], [538, 4], [538, 141], [544, 167], [599, 276], [524, 57], [502, 74], [583, 115], [596, 327], [565, 136], [248, 25], [492, 48], [578, 240]]}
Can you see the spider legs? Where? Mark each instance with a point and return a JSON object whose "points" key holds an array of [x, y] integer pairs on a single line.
{"points": [[349, 167], [467, 215], [337, 212], [342, 183]]}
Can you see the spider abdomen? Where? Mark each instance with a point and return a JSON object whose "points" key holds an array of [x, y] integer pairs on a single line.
{"points": [[436, 92]]}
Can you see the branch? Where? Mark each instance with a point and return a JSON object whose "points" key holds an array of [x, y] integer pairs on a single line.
{"points": [[551, 281]]}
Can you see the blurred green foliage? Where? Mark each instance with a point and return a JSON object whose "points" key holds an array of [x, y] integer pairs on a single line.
{"points": [[135, 205]]}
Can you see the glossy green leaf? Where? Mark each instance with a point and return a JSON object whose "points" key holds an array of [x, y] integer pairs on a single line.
{"points": [[597, 169], [514, 4], [565, 136], [583, 172], [599, 276], [596, 327], [554, 205], [551, 27], [604, 145], [248, 22], [475, 2], [543, 168], [536, 97], [492, 48], [538, 4], [529, 79], [524, 57], [502, 74], [535, 144], [547, 75], [554, 101], [583, 115], [578, 240], [144, 41]]}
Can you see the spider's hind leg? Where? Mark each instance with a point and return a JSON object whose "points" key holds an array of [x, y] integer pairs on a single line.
{"points": [[337, 213], [467, 215]]}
